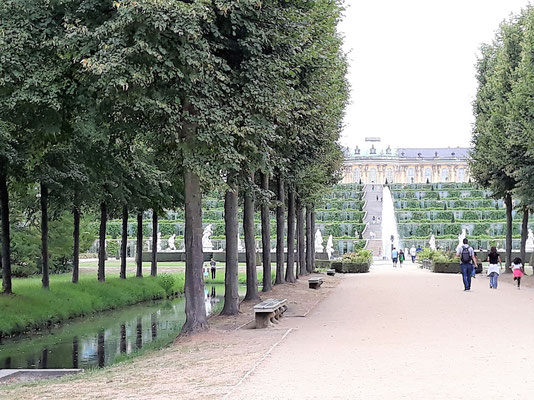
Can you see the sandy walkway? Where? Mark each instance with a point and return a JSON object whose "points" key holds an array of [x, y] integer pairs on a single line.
{"points": [[390, 334], [405, 334]]}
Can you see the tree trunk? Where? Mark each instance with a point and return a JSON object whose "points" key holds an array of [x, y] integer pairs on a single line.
{"points": [[139, 244], [250, 246], [524, 235], [309, 241], [124, 241], [195, 308], [509, 227], [312, 216], [76, 245], [231, 224], [290, 270], [44, 236], [266, 238], [301, 242], [154, 263], [102, 243], [280, 221], [6, 236]]}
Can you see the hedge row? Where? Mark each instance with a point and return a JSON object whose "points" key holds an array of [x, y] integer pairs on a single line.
{"points": [[407, 230], [471, 215]]}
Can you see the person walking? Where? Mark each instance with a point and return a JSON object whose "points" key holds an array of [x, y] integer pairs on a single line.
{"points": [[519, 270], [394, 256], [494, 268], [213, 266], [401, 257], [467, 259], [413, 253]]}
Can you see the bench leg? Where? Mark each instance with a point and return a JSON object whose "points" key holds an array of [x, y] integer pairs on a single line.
{"points": [[263, 320]]}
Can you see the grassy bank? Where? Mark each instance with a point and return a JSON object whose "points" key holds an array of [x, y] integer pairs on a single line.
{"points": [[31, 307]]}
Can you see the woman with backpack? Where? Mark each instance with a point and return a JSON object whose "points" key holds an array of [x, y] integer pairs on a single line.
{"points": [[401, 257], [494, 268]]}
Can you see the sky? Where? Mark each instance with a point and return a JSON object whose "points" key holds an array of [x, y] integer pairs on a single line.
{"points": [[412, 68]]}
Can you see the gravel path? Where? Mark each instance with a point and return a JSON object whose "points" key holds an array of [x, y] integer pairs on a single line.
{"points": [[405, 334]]}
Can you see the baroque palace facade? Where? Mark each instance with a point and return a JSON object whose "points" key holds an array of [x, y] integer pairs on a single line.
{"points": [[376, 163]]}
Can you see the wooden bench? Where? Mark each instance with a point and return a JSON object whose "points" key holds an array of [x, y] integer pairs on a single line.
{"points": [[315, 283], [269, 312], [331, 272]]}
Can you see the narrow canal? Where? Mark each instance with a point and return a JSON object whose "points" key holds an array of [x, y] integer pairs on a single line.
{"points": [[98, 340]]}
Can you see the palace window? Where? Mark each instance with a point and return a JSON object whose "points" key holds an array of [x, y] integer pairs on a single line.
{"points": [[444, 174], [372, 175], [461, 175], [411, 175], [389, 175], [428, 175], [356, 175]]}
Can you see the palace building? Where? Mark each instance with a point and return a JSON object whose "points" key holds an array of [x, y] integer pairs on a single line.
{"points": [[376, 163]]}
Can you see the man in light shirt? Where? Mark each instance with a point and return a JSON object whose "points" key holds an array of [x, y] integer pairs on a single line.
{"points": [[468, 261]]}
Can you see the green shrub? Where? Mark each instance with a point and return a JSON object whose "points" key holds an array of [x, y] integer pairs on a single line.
{"points": [[166, 281], [358, 257]]}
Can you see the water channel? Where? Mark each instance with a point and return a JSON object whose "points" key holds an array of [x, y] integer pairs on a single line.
{"points": [[97, 341]]}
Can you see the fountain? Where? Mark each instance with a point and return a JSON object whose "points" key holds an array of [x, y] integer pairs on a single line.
{"points": [[390, 233], [319, 248], [330, 247]]}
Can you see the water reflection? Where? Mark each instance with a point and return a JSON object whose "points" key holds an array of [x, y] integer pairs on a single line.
{"points": [[96, 341]]}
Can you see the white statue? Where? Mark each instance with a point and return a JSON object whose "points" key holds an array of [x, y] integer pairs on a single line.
{"points": [[432, 242], [206, 241], [356, 233], [148, 243], [330, 247], [461, 238], [171, 246], [158, 243], [530, 241], [319, 248], [240, 247]]}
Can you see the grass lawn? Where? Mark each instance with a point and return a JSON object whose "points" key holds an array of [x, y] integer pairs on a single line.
{"points": [[32, 307]]}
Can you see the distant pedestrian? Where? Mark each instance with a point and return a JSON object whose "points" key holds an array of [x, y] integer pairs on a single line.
{"points": [[213, 265], [394, 256], [378, 220], [376, 197], [373, 188], [381, 199], [494, 268], [467, 259], [374, 219], [401, 257], [413, 253], [206, 271], [519, 270]]}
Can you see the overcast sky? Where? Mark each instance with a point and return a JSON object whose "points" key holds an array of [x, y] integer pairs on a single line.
{"points": [[412, 67]]}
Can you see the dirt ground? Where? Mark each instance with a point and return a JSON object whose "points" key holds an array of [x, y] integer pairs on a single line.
{"points": [[390, 334], [205, 366]]}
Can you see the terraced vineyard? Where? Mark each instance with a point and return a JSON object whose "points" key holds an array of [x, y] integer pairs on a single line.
{"points": [[445, 209], [339, 213]]}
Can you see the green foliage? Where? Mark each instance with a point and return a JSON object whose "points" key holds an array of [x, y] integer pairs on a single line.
{"points": [[166, 281], [358, 257], [32, 308]]}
